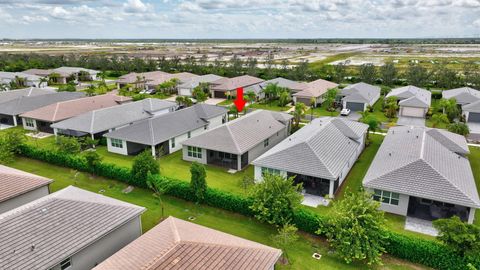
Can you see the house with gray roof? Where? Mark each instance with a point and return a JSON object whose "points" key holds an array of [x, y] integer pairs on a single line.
{"points": [[319, 155], [177, 244], [98, 122], [18, 188], [186, 88], [70, 229], [423, 173], [28, 80], [165, 133], [293, 86], [24, 92], [357, 97], [63, 73], [237, 143], [472, 112], [462, 95], [10, 110], [413, 101], [226, 87]]}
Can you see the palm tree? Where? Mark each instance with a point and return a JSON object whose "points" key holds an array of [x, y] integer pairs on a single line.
{"points": [[42, 81], [371, 121], [391, 107], [299, 113], [450, 108], [439, 118]]}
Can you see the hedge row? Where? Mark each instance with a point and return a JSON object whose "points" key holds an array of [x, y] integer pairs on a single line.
{"points": [[415, 250]]}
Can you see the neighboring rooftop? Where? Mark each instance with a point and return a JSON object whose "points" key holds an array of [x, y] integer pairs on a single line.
{"points": [[472, 107], [412, 96], [241, 134], [229, 84], [463, 95], [320, 149], [104, 119], [71, 70], [24, 92], [15, 183], [195, 81], [177, 244], [361, 92], [42, 233], [316, 88], [158, 129], [66, 109], [145, 76], [294, 86], [425, 163], [28, 103], [38, 72], [182, 77], [12, 75]]}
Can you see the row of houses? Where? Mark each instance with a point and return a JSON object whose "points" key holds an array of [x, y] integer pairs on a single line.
{"points": [[80, 230]]}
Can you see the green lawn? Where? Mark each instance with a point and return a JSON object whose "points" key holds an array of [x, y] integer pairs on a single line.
{"points": [[299, 253], [270, 105], [377, 112], [321, 111]]}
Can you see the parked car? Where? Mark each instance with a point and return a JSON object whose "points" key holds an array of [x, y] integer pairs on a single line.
{"points": [[345, 112]]}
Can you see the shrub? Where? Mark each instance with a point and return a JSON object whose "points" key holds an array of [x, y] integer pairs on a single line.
{"points": [[143, 164], [198, 184]]}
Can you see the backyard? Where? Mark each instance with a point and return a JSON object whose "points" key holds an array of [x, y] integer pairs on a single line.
{"points": [[300, 253]]}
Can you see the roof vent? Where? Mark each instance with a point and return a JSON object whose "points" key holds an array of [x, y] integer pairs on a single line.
{"points": [[417, 136], [44, 210], [390, 154], [32, 248]]}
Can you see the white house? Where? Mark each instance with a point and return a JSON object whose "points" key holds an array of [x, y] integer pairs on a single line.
{"points": [[357, 97], [413, 101]]}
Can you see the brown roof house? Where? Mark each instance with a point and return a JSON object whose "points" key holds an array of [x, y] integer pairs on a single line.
{"points": [[227, 86], [18, 188], [41, 118], [315, 90], [177, 244]]}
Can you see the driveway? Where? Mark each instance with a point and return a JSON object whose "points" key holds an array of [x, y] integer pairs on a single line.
{"points": [[354, 116], [411, 121], [214, 101]]}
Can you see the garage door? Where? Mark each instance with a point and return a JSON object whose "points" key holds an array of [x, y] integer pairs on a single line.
{"points": [[355, 106], [474, 117], [412, 112], [219, 94]]}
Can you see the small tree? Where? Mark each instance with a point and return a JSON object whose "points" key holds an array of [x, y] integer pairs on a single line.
{"points": [[68, 145], [388, 73], [329, 100], [90, 90], [299, 113], [247, 182], [371, 121], [250, 96], [275, 199], [93, 159], [357, 228], [159, 187], [198, 182], [199, 94], [391, 107], [283, 98], [143, 164], [449, 107], [461, 237], [69, 87], [10, 143], [367, 73], [286, 236], [439, 118], [459, 128]]}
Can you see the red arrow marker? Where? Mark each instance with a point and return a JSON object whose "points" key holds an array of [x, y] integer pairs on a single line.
{"points": [[239, 101]]}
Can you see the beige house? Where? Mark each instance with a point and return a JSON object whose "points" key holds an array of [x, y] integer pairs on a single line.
{"points": [[226, 87], [313, 90]]}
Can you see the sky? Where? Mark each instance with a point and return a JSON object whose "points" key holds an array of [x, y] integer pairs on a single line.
{"points": [[166, 19]]}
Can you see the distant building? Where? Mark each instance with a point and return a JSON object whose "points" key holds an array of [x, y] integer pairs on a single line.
{"points": [[178, 244], [28, 80], [186, 88]]}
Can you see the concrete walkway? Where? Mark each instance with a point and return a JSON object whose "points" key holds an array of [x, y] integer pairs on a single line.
{"points": [[420, 226], [314, 201]]}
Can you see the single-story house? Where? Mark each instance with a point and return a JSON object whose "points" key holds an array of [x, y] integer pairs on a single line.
{"points": [[238, 142], [186, 88], [28, 79], [472, 112], [64, 73], [413, 101], [138, 80], [179, 244], [357, 97], [423, 173], [165, 134], [70, 229], [315, 90], [225, 87], [463, 95], [319, 155], [293, 86], [6, 96], [98, 122], [18, 188], [40, 119], [181, 77], [10, 110]]}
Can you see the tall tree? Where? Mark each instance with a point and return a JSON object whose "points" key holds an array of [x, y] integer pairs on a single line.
{"points": [[389, 73], [144, 164], [417, 75], [367, 73], [356, 229], [198, 182], [299, 113], [329, 99], [339, 72], [286, 236]]}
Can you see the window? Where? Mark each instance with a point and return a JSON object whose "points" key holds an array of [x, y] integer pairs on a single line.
{"points": [[173, 142], [29, 122], [386, 197], [116, 143], [270, 171], [195, 152], [265, 143], [189, 134], [65, 264]]}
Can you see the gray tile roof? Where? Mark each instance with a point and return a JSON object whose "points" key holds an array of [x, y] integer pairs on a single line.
{"points": [[463, 95], [412, 96], [294, 86], [228, 84], [71, 70], [195, 81], [472, 107], [424, 163], [320, 149], [41, 234], [112, 117], [15, 182], [25, 92], [242, 134], [30, 103], [361, 92], [156, 130]]}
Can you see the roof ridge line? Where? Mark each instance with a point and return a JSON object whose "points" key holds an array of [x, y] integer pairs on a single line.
{"points": [[92, 122]]}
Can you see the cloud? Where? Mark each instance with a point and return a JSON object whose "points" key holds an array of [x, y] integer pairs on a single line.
{"points": [[136, 6], [36, 18]]}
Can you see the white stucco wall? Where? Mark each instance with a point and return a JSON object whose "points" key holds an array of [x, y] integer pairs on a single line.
{"points": [[117, 150], [257, 174], [184, 91], [181, 138], [216, 121], [202, 160], [259, 149], [27, 127], [106, 246], [400, 209], [23, 199]]}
